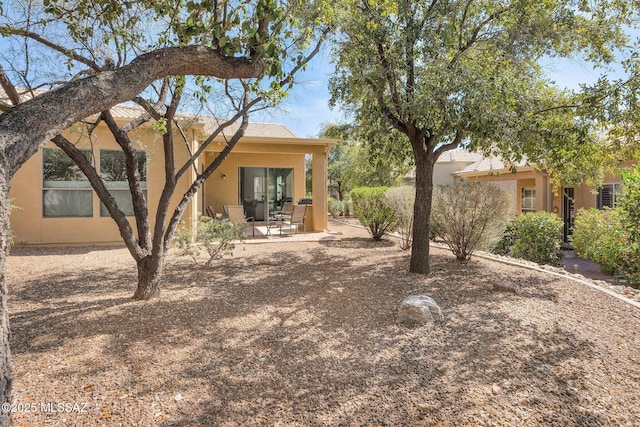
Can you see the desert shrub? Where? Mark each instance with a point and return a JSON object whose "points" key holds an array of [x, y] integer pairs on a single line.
{"points": [[401, 200], [371, 209], [600, 237], [215, 237], [346, 207], [335, 207], [506, 241], [611, 237], [469, 216], [538, 237]]}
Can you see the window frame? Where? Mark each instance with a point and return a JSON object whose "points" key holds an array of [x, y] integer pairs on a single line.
{"points": [[122, 186], [531, 197], [80, 186], [616, 193]]}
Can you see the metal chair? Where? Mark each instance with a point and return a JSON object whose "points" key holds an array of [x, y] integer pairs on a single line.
{"points": [[296, 219], [235, 213]]}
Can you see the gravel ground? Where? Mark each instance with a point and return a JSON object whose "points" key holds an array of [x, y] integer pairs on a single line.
{"points": [[305, 333]]}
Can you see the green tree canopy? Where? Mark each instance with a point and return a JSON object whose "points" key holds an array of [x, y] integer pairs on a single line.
{"points": [[241, 55], [444, 72], [366, 157]]}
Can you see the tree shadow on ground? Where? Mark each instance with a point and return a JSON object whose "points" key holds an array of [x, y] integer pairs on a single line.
{"points": [[309, 336]]}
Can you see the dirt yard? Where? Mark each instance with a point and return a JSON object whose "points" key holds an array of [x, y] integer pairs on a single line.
{"points": [[305, 334]]}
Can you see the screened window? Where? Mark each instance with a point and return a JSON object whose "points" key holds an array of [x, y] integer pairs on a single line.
{"points": [[528, 200], [609, 195], [113, 171], [66, 192]]}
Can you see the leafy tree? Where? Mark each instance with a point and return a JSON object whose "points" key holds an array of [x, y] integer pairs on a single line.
{"points": [[365, 157], [444, 72], [119, 51]]}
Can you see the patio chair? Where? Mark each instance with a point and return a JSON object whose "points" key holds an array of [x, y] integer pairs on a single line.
{"points": [[296, 219], [286, 212], [235, 213], [210, 212]]}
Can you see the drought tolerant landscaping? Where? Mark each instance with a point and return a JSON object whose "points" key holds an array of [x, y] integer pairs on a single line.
{"points": [[306, 333]]}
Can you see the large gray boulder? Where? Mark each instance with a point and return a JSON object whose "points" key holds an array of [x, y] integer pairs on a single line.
{"points": [[419, 310]]}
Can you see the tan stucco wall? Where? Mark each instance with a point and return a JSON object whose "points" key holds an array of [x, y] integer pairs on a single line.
{"points": [[30, 227], [524, 179], [275, 154]]}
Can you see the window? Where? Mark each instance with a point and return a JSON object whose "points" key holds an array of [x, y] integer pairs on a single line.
{"points": [[609, 195], [528, 200], [113, 171], [66, 192]]}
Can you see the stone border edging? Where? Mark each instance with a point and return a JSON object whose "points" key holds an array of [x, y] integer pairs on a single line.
{"points": [[526, 264]]}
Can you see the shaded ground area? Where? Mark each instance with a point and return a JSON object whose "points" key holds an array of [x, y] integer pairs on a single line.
{"points": [[305, 333]]}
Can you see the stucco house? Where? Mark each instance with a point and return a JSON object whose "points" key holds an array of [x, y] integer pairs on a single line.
{"points": [[532, 190], [57, 206]]}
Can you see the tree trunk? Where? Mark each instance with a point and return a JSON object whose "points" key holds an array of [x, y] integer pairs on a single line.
{"points": [[5, 334], [149, 275], [422, 215]]}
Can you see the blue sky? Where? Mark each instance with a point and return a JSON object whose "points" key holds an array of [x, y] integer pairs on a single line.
{"points": [[306, 108]]}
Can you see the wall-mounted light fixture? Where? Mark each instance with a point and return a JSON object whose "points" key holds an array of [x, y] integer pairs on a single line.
{"points": [[224, 177]]}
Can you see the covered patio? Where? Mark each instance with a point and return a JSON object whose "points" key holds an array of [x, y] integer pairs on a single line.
{"points": [[266, 170]]}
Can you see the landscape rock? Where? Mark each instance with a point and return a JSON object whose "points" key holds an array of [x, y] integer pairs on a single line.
{"points": [[419, 310]]}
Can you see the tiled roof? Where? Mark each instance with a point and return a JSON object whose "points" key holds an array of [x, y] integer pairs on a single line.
{"points": [[490, 164], [258, 130], [460, 155], [264, 130]]}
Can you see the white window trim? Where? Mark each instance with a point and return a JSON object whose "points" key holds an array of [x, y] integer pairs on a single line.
{"points": [[524, 209], [616, 188]]}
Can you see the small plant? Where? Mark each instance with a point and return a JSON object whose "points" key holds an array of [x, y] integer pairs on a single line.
{"points": [[401, 200], [216, 237], [335, 207], [10, 236], [371, 209], [469, 216], [346, 208], [538, 238]]}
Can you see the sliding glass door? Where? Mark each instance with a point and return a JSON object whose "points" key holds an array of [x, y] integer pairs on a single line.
{"points": [[265, 190]]}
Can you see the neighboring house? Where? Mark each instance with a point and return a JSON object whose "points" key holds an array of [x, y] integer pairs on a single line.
{"points": [[446, 165], [265, 170], [532, 190]]}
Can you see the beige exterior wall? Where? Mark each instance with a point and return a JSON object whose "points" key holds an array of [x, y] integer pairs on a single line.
{"points": [[31, 227], [265, 152], [523, 179]]}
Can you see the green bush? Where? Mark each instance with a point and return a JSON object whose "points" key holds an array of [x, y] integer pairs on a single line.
{"points": [[600, 237], [538, 238], [346, 208], [216, 237], [611, 237], [505, 243], [335, 207], [401, 200], [469, 216], [371, 209], [631, 220]]}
